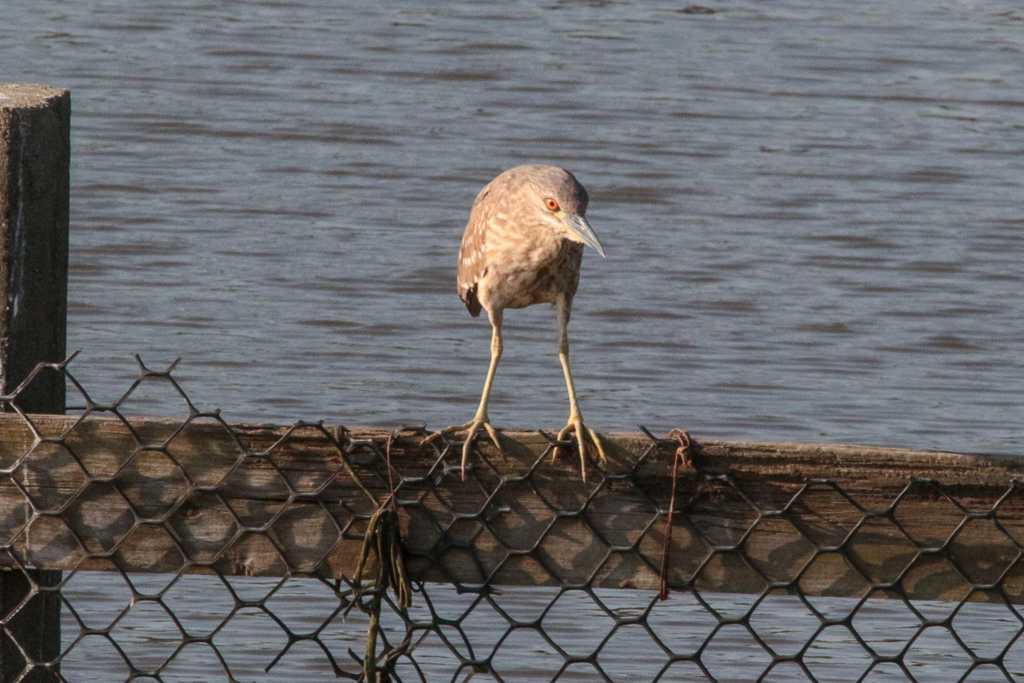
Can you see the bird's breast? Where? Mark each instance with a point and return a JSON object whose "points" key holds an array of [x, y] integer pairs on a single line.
{"points": [[523, 277]]}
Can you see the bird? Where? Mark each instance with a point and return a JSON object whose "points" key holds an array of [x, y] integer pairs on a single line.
{"points": [[523, 245]]}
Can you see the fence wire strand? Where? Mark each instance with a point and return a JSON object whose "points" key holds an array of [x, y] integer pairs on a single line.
{"points": [[369, 565]]}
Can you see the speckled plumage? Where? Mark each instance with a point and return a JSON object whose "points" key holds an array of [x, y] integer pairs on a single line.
{"points": [[514, 253], [523, 245]]}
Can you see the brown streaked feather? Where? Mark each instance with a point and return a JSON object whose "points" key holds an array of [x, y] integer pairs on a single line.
{"points": [[472, 264], [468, 297]]}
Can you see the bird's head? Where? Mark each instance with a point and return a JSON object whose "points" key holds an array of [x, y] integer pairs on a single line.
{"points": [[558, 201]]}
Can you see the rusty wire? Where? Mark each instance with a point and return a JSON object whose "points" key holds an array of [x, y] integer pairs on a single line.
{"points": [[408, 625], [682, 458]]}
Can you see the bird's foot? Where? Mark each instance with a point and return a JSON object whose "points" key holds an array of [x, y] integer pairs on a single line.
{"points": [[583, 435], [471, 429]]}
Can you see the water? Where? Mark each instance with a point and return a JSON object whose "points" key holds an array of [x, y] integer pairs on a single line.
{"points": [[812, 215], [250, 639], [812, 211]]}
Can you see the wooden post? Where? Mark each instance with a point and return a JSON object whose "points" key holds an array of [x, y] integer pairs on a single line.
{"points": [[34, 191]]}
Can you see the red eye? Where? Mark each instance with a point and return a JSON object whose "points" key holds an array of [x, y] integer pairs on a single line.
{"points": [[551, 204]]}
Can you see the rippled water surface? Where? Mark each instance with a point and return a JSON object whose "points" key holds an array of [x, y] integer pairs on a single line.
{"points": [[812, 209], [812, 214]]}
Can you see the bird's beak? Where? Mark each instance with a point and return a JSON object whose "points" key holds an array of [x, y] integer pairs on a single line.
{"points": [[582, 232]]}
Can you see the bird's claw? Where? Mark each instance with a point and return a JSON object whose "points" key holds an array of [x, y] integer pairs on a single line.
{"points": [[583, 434], [471, 429]]}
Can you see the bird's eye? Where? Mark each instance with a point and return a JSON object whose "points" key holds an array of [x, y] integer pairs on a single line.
{"points": [[551, 204]]}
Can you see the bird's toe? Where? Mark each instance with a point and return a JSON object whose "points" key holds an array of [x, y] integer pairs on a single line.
{"points": [[493, 434], [585, 438], [598, 445], [472, 428]]}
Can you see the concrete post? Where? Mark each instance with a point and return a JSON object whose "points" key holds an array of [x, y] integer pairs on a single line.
{"points": [[34, 192]]}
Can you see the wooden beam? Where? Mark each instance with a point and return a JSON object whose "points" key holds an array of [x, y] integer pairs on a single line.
{"points": [[159, 495]]}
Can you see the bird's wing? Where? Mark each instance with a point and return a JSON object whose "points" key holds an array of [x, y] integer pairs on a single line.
{"points": [[472, 253]]}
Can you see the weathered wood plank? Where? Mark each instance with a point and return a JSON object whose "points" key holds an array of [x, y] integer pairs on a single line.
{"points": [[266, 500]]}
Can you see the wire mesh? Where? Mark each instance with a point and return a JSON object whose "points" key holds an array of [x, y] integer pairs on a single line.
{"points": [[230, 552]]}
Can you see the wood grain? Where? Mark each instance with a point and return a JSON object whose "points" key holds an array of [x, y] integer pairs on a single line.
{"points": [[832, 520]]}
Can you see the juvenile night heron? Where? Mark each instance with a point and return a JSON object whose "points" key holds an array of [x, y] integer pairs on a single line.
{"points": [[523, 245]]}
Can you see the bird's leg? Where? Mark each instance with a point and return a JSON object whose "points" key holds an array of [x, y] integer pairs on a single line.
{"points": [[575, 423], [481, 419]]}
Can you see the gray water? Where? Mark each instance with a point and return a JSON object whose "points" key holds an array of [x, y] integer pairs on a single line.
{"points": [[251, 639], [811, 208]]}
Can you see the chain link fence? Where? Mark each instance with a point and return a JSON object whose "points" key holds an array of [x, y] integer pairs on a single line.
{"points": [[195, 550]]}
